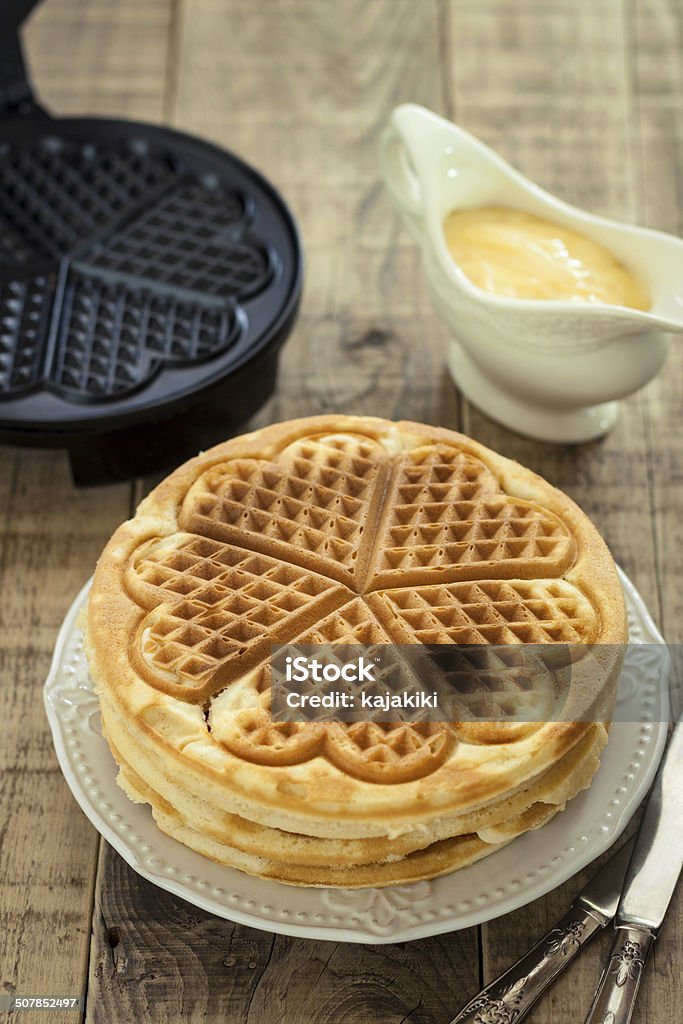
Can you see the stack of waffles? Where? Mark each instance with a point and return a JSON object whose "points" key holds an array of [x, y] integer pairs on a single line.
{"points": [[341, 530]]}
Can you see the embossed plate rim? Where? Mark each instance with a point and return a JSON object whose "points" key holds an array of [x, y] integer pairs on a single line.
{"points": [[398, 913]]}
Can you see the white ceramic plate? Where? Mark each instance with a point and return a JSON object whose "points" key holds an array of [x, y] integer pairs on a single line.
{"points": [[528, 868]]}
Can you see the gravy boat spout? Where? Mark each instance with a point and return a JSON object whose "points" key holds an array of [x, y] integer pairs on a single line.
{"points": [[553, 370]]}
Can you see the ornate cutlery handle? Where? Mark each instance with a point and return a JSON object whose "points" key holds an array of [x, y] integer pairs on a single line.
{"points": [[511, 996], [618, 988]]}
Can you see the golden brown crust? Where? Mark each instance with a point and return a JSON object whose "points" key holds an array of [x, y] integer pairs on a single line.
{"points": [[220, 506], [553, 788]]}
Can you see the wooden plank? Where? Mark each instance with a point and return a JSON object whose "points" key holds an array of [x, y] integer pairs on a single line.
{"points": [[655, 57], [158, 958], [50, 537], [655, 60], [101, 58], [301, 90], [511, 64]]}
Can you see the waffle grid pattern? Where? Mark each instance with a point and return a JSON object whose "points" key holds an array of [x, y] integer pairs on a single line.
{"points": [[213, 600], [186, 240], [489, 612], [158, 260], [113, 337], [219, 604], [24, 313], [447, 510], [315, 501], [57, 194], [372, 749], [499, 682]]}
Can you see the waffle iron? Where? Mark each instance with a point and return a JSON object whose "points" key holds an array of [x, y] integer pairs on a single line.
{"points": [[147, 281]]}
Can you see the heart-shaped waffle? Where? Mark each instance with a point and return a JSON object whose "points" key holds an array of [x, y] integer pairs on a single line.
{"points": [[217, 610], [345, 531], [447, 519], [374, 751], [309, 504]]}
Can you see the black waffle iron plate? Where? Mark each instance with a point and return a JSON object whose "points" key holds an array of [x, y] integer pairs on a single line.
{"points": [[147, 280]]}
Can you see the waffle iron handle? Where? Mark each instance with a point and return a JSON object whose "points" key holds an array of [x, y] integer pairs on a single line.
{"points": [[16, 92], [13, 14], [511, 996]]}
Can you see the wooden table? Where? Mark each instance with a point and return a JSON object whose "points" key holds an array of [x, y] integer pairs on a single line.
{"points": [[586, 97]]}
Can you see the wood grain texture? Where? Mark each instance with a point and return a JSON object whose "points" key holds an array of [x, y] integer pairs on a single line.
{"points": [[95, 57], [552, 94], [561, 91], [302, 92], [50, 538], [586, 97], [654, 35], [156, 958]]}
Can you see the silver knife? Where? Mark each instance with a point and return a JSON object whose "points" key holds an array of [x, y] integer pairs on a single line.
{"points": [[648, 887], [512, 995]]}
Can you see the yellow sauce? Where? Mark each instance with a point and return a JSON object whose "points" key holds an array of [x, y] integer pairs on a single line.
{"points": [[515, 254]]}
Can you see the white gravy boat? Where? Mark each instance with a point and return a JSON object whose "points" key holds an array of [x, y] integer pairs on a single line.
{"points": [[550, 370]]}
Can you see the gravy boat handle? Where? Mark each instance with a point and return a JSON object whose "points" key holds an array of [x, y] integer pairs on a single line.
{"points": [[401, 179], [417, 149]]}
